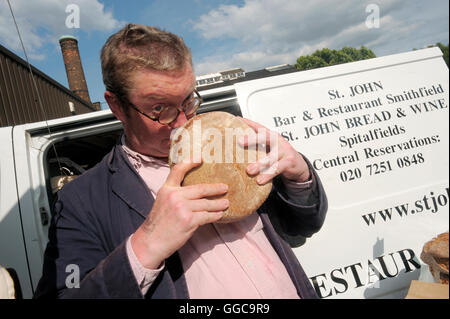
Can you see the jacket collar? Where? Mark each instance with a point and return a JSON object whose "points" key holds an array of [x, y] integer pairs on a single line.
{"points": [[127, 184]]}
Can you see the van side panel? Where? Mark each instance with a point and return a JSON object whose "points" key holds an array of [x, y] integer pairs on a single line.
{"points": [[12, 247]]}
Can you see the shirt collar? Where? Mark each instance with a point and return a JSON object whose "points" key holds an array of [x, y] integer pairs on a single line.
{"points": [[141, 158]]}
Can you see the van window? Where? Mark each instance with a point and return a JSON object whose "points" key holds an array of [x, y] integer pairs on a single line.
{"points": [[75, 156]]}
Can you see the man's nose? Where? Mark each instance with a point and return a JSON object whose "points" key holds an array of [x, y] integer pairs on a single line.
{"points": [[179, 121]]}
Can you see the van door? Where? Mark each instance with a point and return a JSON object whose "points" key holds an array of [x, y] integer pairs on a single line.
{"points": [[44, 152], [12, 250]]}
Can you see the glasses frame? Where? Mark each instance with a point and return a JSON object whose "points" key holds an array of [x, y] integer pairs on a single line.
{"points": [[153, 118]]}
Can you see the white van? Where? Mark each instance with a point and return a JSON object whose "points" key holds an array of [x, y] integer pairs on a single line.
{"points": [[380, 197]]}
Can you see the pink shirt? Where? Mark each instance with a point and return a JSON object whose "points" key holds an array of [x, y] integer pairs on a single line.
{"points": [[233, 260]]}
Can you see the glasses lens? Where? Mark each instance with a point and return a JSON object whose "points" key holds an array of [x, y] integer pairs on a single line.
{"points": [[168, 115], [192, 106], [156, 110]]}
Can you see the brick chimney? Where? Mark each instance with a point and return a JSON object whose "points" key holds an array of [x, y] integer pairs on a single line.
{"points": [[74, 69]]}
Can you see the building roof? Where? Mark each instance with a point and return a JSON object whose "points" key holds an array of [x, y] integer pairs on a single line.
{"points": [[19, 102], [253, 75]]}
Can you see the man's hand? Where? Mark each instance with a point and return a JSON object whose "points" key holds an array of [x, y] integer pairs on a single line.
{"points": [[282, 158], [177, 212]]}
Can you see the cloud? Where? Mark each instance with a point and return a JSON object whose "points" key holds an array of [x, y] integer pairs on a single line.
{"points": [[43, 21], [268, 32]]}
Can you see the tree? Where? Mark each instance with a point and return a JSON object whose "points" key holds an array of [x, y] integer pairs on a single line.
{"points": [[325, 54], [326, 57], [340, 57], [366, 53], [310, 62]]}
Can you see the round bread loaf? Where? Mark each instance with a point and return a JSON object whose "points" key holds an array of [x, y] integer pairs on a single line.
{"points": [[214, 136], [435, 254]]}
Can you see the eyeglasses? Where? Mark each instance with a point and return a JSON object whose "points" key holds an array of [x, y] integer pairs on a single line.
{"points": [[167, 114]]}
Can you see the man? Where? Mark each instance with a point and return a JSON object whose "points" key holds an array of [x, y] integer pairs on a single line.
{"points": [[134, 232]]}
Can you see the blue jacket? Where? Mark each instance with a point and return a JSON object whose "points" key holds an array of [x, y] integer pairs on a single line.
{"points": [[98, 211]]}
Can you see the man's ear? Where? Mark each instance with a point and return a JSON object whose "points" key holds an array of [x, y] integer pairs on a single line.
{"points": [[115, 106]]}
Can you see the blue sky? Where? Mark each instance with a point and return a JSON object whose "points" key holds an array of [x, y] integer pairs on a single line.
{"points": [[223, 34]]}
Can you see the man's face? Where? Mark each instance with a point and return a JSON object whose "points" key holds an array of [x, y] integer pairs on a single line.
{"points": [[151, 88]]}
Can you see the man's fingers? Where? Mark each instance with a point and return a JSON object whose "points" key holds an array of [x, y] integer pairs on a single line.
{"points": [[252, 124], [178, 171], [269, 173], [263, 134], [263, 163], [265, 137], [208, 205], [204, 190], [203, 218]]}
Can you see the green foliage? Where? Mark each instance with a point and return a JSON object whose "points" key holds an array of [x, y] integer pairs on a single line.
{"points": [[326, 57], [340, 57], [444, 50], [309, 62], [325, 54]]}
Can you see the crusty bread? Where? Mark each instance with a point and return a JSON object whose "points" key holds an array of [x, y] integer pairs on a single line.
{"points": [[229, 167], [435, 255]]}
